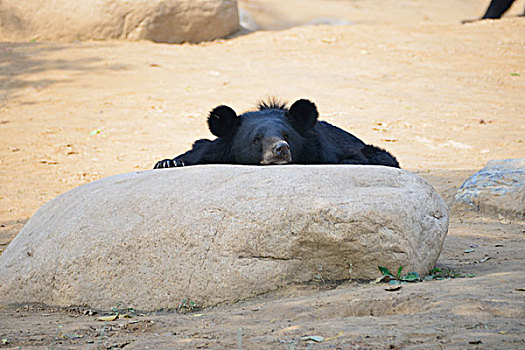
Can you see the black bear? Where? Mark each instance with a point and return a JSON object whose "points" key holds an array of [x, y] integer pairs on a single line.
{"points": [[495, 10], [275, 134]]}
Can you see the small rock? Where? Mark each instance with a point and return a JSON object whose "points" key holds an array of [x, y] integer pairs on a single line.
{"points": [[497, 189], [246, 20]]}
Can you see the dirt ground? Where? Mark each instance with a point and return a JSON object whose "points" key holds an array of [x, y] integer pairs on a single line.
{"points": [[443, 97]]}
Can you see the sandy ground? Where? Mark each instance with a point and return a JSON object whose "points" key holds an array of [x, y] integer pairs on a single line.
{"points": [[405, 75]]}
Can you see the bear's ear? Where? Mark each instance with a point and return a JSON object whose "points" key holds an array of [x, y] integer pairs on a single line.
{"points": [[303, 115], [223, 121]]}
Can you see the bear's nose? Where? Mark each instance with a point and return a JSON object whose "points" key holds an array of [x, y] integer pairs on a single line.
{"points": [[280, 148]]}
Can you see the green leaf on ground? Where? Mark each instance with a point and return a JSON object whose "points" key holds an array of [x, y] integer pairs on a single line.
{"points": [[411, 277], [399, 272], [385, 271]]}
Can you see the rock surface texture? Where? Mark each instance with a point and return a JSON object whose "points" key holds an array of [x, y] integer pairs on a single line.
{"points": [[220, 234], [167, 21], [498, 188]]}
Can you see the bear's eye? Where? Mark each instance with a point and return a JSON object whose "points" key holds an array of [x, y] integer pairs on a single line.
{"points": [[285, 136], [257, 139]]}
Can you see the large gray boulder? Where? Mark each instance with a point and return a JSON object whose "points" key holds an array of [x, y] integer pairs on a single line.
{"points": [[220, 234], [498, 188], [167, 21]]}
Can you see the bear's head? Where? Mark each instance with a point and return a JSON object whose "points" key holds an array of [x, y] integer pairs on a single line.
{"points": [[271, 135]]}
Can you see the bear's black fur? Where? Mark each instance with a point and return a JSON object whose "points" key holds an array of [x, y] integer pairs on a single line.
{"points": [[495, 10], [275, 134]]}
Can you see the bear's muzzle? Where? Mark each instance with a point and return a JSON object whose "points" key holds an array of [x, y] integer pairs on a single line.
{"points": [[277, 153]]}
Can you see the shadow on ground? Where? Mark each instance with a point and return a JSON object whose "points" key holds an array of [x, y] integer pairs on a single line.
{"points": [[20, 64]]}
